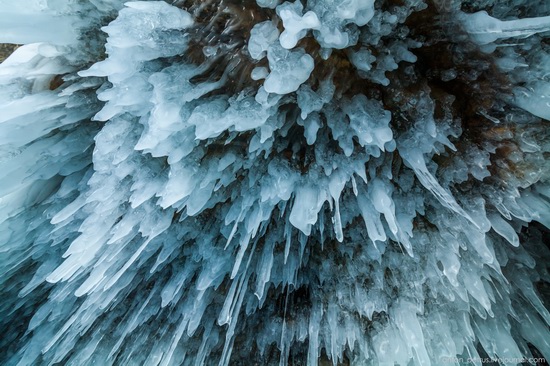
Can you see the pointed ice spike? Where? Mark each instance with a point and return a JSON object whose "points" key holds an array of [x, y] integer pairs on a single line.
{"points": [[415, 160], [233, 230], [241, 291], [484, 29], [127, 265], [264, 270], [242, 250], [288, 239]]}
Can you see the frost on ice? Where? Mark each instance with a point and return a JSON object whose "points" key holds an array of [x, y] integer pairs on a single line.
{"points": [[274, 182]]}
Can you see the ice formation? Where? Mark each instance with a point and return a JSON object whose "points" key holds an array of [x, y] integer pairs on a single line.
{"points": [[227, 182]]}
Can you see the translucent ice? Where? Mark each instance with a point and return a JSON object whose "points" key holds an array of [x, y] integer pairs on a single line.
{"points": [[273, 182], [485, 29], [262, 35], [296, 24], [288, 69]]}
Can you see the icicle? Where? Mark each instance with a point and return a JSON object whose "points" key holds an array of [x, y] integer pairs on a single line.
{"points": [[485, 29]]}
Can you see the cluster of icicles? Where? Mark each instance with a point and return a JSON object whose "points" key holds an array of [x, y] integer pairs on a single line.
{"points": [[226, 182]]}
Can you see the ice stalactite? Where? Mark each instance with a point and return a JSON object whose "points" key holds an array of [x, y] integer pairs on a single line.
{"points": [[266, 182]]}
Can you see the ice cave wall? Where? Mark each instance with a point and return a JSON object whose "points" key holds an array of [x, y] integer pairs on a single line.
{"points": [[226, 182]]}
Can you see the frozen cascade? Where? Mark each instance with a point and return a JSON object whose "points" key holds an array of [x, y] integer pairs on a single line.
{"points": [[357, 182]]}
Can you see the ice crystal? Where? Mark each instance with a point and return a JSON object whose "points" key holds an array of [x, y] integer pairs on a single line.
{"points": [[272, 182]]}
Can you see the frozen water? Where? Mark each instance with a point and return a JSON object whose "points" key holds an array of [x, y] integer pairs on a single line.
{"points": [[288, 69], [262, 35], [485, 29], [295, 24], [273, 182]]}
